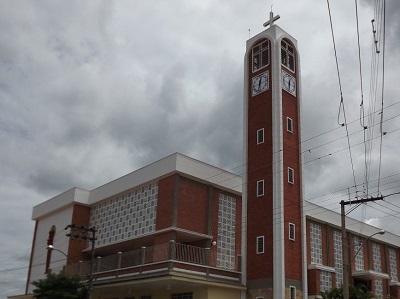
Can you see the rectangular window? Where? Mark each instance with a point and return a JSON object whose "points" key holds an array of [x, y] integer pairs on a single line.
{"points": [[292, 292], [290, 175], [182, 296], [359, 253], [378, 288], [376, 254], [289, 125], [337, 252], [260, 188], [287, 55], [260, 55], [325, 281], [393, 265], [292, 232], [226, 227], [316, 243], [260, 244], [260, 136]]}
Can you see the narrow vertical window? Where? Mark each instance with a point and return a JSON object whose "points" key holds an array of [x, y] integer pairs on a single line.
{"points": [[260, 188], [337, 251], [260, 244], [290, 175], [292, 231], [289, 125], [260, 136], [359, 253], [393, 264], [316, 243], [292, 292]]}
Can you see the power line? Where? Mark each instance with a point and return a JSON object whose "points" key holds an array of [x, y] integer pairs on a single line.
{"points": [[341, 96]]}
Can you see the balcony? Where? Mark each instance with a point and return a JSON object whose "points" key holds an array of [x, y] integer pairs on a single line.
{"points": [[159, 260]]}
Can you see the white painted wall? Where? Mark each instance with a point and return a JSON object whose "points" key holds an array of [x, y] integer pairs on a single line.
{"points": [[60, 220]]}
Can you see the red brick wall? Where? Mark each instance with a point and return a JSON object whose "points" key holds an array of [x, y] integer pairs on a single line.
{"points": [[292, 192], [192, 206], [165, 202], [259, 167], [313, 280], [238, 227], [80, 217]]}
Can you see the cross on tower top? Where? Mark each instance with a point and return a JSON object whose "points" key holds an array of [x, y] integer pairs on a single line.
{"points": [[272, 19]]}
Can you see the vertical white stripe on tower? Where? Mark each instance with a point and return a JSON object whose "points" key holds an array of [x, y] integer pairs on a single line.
{"points": [[277, 170]]}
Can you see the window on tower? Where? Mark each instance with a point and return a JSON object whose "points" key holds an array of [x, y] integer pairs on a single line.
{"points": [[290, 175], [292, 292], [287, 55], [260, 244], [292, 232], [289, 123], [260, 188], [260, 136], [260, 55]]}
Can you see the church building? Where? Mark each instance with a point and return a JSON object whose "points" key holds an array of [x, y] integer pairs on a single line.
{"points": [[183, 229]]}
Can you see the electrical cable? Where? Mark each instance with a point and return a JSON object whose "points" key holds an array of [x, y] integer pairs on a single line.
{"points": [[341, 96]]}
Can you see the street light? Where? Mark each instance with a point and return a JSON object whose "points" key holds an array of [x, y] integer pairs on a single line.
{"points": [[381, 232], [347, 265], [51, 248]]}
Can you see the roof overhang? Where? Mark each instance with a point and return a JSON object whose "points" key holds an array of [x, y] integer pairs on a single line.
{"points": [[370, 274]]}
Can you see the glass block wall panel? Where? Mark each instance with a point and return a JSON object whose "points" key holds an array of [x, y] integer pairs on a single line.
{"points": [[337, 251], [226, 232], [316, 243], [393, 265], [125, 216], [359, 253], [379, 288], [376, 254], [325, 280]]}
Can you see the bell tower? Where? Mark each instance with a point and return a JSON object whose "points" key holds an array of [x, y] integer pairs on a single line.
{"points": [[274, 233]]}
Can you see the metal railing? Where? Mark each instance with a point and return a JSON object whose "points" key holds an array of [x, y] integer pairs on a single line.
{"points": [[148, 255]]}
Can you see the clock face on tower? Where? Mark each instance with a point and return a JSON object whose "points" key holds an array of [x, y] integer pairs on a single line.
{"points": [[260, 83], [288, 83]]}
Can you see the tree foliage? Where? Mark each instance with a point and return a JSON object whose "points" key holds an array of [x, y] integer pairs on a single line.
{"points": [[60, 286], [355, 292]]}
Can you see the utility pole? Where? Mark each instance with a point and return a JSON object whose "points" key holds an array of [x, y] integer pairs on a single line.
{"points": [[345, 242], [85, 233]]}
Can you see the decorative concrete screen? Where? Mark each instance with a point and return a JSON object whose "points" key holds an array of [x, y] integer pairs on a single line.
{"points": [[126, 216]]}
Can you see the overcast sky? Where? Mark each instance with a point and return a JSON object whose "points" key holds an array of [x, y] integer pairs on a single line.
{"points": [[91, 90]]}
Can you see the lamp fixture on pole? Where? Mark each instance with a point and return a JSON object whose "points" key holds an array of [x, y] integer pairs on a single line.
{"points": [[51, 248], [381, 232]]}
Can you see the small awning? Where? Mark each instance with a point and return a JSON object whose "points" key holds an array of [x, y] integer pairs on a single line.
{"points": [[370, 274]]}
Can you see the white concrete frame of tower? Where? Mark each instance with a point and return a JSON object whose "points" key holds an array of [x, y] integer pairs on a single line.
{"points": [[275, 34]]}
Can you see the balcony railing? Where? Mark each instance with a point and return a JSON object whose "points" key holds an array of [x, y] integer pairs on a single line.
{"points": [[202, 258]]}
